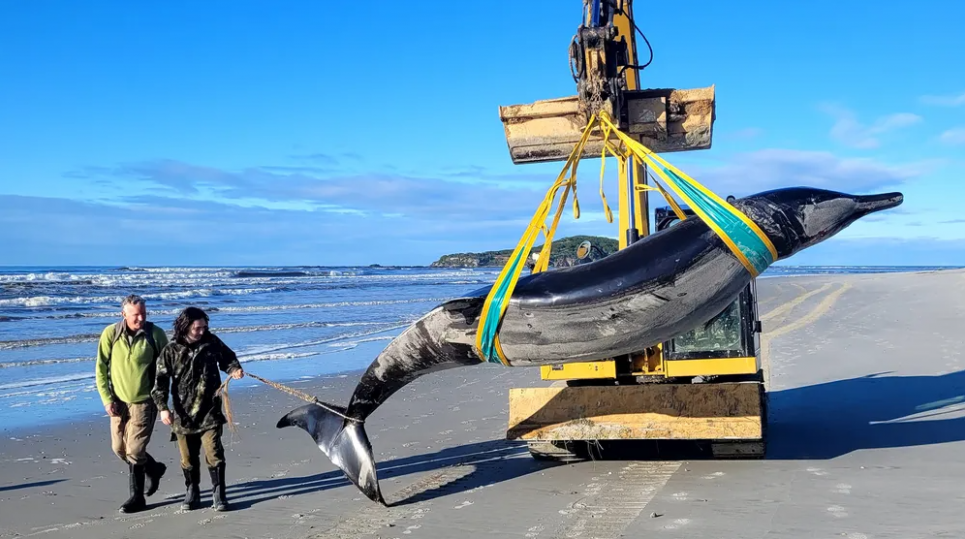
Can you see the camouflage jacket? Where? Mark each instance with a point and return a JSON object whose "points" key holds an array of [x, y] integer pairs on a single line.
{"points": [[191, 374]]}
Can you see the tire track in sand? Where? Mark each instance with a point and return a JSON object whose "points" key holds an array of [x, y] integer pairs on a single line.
{"points": [[778, 311], [610, 506], [817, 312], [372, 518]]}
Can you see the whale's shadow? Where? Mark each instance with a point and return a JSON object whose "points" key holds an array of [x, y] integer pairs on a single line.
{"points": [[877, 411], [481, 464]]}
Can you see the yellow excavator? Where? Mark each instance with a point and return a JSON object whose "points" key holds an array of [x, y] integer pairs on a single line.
{"points": [[705, 386]]}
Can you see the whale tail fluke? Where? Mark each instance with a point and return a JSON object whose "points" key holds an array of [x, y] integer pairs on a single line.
{"points": [[342, 440]]}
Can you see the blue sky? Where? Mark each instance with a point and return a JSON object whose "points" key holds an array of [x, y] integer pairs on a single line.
{"points": [[245, 133]]}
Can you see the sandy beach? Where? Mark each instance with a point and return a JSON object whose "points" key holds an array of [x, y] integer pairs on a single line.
{"points": [[866, 386]]}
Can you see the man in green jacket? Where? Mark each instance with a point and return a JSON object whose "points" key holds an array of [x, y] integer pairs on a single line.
{"points": [[126, 366]]}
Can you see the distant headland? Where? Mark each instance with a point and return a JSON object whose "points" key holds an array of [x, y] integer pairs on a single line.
{"points": [[563, 255]]}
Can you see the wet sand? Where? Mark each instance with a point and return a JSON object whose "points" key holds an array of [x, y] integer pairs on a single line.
{"points": [[866, 386]]}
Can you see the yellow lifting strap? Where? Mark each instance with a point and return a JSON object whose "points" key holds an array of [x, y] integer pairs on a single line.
{"points": [[487, 337], [741, 235]]}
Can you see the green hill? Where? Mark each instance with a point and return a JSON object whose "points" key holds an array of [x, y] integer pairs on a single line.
{"points": [[564, 254]]}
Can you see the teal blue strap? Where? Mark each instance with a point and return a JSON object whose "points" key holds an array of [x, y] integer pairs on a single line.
{"points": [[729, 224]]}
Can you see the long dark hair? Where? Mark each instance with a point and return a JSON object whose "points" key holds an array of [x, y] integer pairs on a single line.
{"points": [[184, 320]]}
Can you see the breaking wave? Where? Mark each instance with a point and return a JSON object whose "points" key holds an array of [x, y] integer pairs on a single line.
{"points": [[248, 309], [44, 301], [93, 337]]}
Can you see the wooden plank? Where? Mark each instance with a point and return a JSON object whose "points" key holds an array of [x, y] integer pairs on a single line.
{"points": [[725, 411], [665, 120]]}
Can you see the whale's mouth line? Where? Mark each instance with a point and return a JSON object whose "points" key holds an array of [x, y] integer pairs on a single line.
{"points": [[872, 203]]}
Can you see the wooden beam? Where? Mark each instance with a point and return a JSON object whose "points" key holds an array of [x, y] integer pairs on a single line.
{"points": [[665, 120], [712, 411]]}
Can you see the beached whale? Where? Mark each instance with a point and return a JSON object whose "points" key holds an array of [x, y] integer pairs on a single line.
{"points": [[655, 289]]}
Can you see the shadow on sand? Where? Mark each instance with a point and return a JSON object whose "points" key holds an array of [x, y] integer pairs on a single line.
{"points": [[829, 420], [492, 462], [877, 411], [6, 488]]}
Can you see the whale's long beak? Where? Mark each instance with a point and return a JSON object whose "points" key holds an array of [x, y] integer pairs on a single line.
{"points": [[872, 203]]}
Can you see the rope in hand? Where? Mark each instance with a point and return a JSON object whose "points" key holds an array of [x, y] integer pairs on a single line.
{"points": [[223, 391]]}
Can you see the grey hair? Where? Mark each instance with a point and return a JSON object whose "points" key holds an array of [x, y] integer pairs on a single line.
{"points": [[133, 299]]}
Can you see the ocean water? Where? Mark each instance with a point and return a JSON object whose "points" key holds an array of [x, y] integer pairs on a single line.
{"points": [[290, 324]]}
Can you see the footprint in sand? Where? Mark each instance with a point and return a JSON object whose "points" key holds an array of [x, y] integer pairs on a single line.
{"points": [[534, 531], [681, 496], [842, 488], [676, 524], [838, 511], [209, 520]]}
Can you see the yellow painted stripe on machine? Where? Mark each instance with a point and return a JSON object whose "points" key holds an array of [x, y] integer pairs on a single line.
{"points": [[711, 366], [717, 366]]}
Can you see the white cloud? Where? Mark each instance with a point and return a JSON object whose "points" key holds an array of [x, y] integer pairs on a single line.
{"points": [[849, 131], [761, 170], [953, 137], [944, 101], [259, 215]]}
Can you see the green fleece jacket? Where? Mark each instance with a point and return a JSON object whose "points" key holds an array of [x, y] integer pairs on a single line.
{"points": [[126, 370]]}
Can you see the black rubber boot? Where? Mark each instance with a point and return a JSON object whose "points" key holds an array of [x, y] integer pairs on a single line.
{"points": [[154, 471], [218, 500], [136, 502], [192, 495]]}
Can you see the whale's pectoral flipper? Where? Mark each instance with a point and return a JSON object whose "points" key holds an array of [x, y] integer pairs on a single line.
{"points": [[342, 440]]}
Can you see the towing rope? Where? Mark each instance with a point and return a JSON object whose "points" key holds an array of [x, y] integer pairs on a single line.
{"points": [[223, 391]]}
